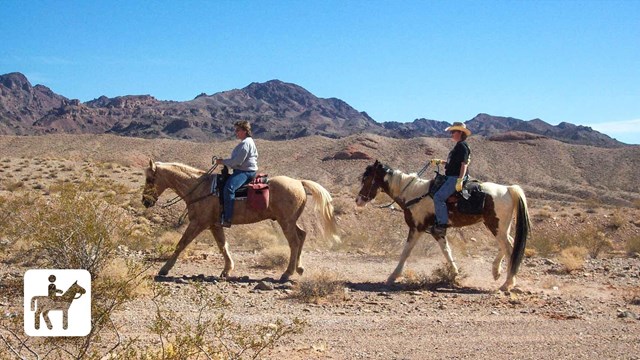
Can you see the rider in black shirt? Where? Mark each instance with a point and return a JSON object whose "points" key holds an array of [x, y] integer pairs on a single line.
{"points": [[456, 171]]}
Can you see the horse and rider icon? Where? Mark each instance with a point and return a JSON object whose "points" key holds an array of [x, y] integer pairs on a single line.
{"points": [[60, 296]]}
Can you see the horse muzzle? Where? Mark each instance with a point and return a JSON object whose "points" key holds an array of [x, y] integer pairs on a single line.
{"points": [[362, 200], [148, 201]]}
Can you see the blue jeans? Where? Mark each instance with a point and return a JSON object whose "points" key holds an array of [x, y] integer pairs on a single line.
{"points": [[235, 181], [440, 199]]}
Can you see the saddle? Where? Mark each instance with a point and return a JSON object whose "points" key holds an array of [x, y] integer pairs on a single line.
{"points": [[468, 201], [255, 191]]}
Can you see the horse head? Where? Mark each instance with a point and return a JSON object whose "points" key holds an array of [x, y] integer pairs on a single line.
{"points": [[150, 193], [72, 291], [372, 180]]}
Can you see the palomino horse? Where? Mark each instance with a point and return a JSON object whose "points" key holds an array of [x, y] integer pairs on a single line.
{"points": [[43, 304], [501, 204], [287, 201]]}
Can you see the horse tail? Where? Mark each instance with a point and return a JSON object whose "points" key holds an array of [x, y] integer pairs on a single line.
{"points": [[322, 200], [523, 227]]}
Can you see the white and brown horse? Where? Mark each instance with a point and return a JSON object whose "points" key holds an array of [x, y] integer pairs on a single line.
{"points": [[501, 204], [287, 201]]}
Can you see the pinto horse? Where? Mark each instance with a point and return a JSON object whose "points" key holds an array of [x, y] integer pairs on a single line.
{"points": [[501, 204], [287, 201]]}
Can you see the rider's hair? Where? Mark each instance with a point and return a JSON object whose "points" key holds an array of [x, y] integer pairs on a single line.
{"points": [[244, 125]]}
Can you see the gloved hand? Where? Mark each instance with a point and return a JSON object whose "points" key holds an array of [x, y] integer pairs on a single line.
{"points": [[459, 184], [213, 160], [434, 162]]}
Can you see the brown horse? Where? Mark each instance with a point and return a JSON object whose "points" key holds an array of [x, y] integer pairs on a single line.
{"points": [[287, 201], [501, 204]]}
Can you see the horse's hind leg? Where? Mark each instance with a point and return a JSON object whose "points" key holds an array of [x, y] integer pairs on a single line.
{"points": [[190, 233], [223, 246], [291, 233], [412, 239], [496, 267], [506, 246], [302, 235]]}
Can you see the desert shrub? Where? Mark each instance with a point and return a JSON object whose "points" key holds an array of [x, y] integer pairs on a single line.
{"points": [[259, 236], [320, 286], [617, 220], [274, 258], [633, 245], [441, 277], [572, 258], [542, 243], [595, 242], [14, 185], [546, 243], [74, 230], [213, 336]]}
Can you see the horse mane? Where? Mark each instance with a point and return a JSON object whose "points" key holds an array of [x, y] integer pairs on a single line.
{"points": [[415, 186], [182, 170]]}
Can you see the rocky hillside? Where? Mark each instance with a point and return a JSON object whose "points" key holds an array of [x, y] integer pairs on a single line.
{"points": [[277, 110]]}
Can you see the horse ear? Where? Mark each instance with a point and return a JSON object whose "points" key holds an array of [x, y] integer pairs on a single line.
{"points": [[152, 165]]}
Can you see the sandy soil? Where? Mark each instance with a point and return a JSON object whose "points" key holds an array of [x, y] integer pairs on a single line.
{"points": [[590, 314]]}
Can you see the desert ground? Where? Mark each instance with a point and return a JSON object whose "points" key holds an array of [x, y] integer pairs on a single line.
{"points": [[577, 296]]}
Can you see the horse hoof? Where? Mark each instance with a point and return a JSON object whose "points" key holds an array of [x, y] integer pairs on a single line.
{"points": [[300, 270], [284, 278], [224, 274], [163, 272]]}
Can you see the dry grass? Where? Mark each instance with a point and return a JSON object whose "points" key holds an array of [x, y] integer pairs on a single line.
{"points": [[274, 258], [441, 277], [632, 245], [321, 286], [572, 258]]}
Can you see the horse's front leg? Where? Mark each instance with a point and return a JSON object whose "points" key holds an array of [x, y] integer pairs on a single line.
{"points": [[223, 246], [65, 319], [412, 239], [190, 233], [45, 316], [446, 250]]}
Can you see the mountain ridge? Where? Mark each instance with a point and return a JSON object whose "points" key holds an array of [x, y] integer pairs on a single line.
{"points": [[276, 109]]}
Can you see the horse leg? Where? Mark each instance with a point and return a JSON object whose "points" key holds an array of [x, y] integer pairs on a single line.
{"points": [[223, 246], [506, 247], [290, 232], [37, 320], [496, 268], [412, 239], [45, 315], [446, 250], [302, 235], [65, 319], [190, 233]]}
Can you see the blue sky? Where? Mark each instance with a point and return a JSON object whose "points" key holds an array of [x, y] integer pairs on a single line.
{"points": [[573, 61]]}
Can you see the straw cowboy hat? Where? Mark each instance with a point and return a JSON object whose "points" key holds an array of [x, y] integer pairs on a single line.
{"points": [[460, 127]]}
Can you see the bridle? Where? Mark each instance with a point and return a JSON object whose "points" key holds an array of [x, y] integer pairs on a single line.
{"points": [[153, 194], [373, 185]]}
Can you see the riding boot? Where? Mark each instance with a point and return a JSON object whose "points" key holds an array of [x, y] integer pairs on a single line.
{"points": [[439, 230]]}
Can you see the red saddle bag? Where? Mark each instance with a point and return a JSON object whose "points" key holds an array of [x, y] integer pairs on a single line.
{"points": [[258, 193]]}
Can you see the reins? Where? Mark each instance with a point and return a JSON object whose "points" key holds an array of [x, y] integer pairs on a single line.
{"points": [[406, 186], [178, 198]]}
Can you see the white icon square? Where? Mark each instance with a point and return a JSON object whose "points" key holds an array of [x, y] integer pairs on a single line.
{"points": [[57, 302]]}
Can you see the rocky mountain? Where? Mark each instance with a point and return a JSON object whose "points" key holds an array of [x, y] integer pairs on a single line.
{"points": [[277, 111]]}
